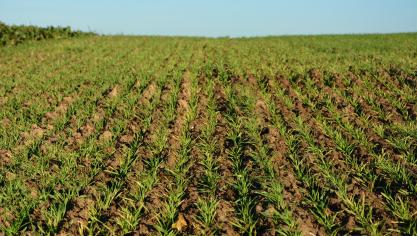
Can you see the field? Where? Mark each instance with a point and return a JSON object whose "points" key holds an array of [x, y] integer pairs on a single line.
{"points": [[306, 135]]}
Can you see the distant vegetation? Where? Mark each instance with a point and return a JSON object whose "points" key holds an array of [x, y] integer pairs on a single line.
{"points": [[13, 34]]}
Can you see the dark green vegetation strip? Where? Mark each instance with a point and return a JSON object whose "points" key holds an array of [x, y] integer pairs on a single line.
{"points": [[151, 135], [14, 35]]}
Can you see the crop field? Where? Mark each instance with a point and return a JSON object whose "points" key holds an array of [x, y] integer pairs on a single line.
{"points": [[294, 135]]}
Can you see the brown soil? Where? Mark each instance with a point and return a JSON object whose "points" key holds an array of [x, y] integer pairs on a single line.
{"points": [[182, 108], [90, 149], [5, 157], [5, 122], [354, 188], [293, 191], [143, 154], [225, 193], [156, 197], [78, 213], [188, 207], [59, 110], [114, 92]]}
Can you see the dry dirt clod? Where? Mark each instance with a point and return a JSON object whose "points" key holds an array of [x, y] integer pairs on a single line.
{"points": [[87, 130], [98, 116], [114, 92], [10, 176], [37, 131], [106, 136], [126, 139], [5, 122], [5, 157], [180, 224]]}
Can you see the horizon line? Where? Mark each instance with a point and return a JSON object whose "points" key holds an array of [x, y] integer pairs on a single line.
{"points": [[217, 36]]}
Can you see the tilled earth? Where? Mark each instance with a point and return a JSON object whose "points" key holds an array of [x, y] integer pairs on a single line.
{"points": [[191, 136]]}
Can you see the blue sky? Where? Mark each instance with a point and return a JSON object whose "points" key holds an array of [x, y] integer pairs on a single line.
{"points": [[217, 17]]}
